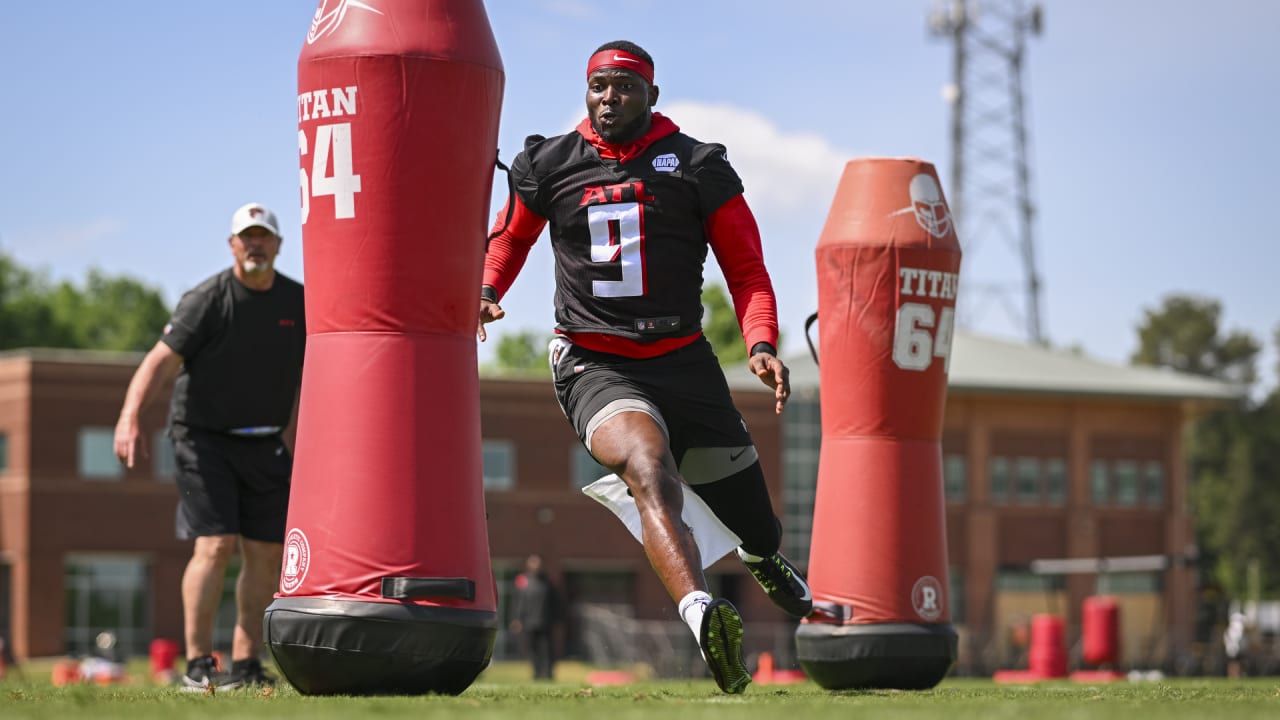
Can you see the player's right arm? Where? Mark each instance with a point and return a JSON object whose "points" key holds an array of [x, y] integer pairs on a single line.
{"points": [[158, 368], [509, 246]]}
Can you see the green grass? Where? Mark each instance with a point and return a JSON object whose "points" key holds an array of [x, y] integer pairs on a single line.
{"points": [[504, 692]]}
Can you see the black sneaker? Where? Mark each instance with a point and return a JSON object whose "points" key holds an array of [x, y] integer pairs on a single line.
{"points": [[248, 672], [203, 674], [721, 642], [784, 585]]}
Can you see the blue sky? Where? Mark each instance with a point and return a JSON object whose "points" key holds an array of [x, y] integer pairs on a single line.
{"points": [[130, 131]]}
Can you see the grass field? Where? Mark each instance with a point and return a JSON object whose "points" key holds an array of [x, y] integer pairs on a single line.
{"points": [[502, 692]]}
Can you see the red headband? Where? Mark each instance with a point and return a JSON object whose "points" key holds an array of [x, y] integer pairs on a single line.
{"points": [[622, 60]]}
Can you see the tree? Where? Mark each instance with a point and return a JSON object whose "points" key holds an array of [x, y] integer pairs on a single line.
{"points": [[26, 319], [1275, 340], [110, 313], [720, 325], [1183, 334], [522, 353], [1231, 451], [1234, 464]]}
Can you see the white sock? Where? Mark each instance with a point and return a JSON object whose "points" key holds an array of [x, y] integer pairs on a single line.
{"points": [[748, 557], [692, 607]]}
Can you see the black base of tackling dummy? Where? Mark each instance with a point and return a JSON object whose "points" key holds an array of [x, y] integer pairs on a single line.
{"points": [[900, 656], [346, 647]]}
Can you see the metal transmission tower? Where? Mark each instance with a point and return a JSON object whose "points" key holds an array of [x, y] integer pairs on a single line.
{"points": [[990, 174]]}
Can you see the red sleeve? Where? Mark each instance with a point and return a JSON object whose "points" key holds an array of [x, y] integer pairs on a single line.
{"points": [[510, 248], [735, 239]]}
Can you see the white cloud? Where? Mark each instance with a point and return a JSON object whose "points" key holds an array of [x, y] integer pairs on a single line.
{"points": [[784, 172], [790, 179]]}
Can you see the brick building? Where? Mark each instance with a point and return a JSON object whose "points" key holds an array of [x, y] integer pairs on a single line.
{"points": [[1046, 455]]}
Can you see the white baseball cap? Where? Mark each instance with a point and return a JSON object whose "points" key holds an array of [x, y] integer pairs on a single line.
{"points": [[254, 215]]}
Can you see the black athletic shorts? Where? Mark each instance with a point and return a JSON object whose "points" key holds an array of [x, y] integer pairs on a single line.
{"points": [[686, 387], [231, 485]]}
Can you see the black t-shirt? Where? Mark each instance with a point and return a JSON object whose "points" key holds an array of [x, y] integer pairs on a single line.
{"points": [[629, 238], [242, 353]]}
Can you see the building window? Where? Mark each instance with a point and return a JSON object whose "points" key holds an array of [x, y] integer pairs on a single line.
{"points": [[1027, 480], [1126, 480], [999, 480], [97, 454], [801, 447], [1153, 483], [1055, 481], [499, 458], [106, 593], [1099, 482], [1027, 472], [955, 477], [1129, 583], [585, 468], [607, 587], [4, 452], [1017, 580], [163, 465]]}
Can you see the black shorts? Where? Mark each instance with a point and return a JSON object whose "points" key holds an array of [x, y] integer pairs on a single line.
{"points": [[229, 485], [685, 387]]}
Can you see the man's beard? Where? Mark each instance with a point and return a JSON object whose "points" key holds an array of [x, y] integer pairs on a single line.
{"points": [[255, 267]]}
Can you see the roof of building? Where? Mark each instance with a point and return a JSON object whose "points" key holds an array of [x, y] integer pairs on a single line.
{"points": [[987, 364], [72, 355], [978, 364]]}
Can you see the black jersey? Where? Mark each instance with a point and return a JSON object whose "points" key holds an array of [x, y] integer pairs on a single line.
{"points": [[629, 238], [242, 353]]}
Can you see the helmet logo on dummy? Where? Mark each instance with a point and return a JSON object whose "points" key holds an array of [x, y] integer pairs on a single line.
{"points": [[330, 15], [297, 558], [930, 209], [926, 595]]}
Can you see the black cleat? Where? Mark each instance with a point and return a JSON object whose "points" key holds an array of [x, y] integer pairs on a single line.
{"points": [[721, 642], [784, 585], [245, 673], [203, 676]]}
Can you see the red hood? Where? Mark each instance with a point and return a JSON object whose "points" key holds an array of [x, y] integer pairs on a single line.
{"points": [[661, 127]]}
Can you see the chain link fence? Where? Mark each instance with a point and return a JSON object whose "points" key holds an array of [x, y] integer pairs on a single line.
{"points": [[611, 635]]}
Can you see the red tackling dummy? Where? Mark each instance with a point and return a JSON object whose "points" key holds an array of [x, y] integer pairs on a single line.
{"points": [[888, 263], [386, 584]]}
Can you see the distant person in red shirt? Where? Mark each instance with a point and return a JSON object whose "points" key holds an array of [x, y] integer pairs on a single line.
{"points": [[634, 205], [535, 611]]}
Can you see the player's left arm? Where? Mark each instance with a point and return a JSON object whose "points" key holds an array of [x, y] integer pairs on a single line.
{"points": [[734, 237]]}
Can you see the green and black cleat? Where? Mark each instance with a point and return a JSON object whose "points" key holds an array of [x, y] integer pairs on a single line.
{"points": [[721, 643]]}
